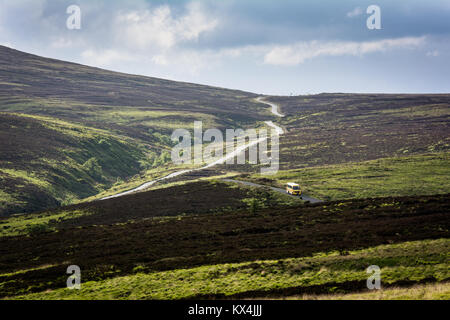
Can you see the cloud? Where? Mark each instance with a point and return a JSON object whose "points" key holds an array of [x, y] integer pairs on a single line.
{"points": [[194, 60], [106, 58], [355, 12], [161, 36], [160, 29], [63, 42], [295, 54]]}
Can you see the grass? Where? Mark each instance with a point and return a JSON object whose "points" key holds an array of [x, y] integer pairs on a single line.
{"points": [[125, 236], [89, 163], [6, 197], [47, 162], [30, 177], [26, 224], [431, 291], [401, 176], [327, 272], [138, 180], [32, 224], [328, 129], [94, 127]]}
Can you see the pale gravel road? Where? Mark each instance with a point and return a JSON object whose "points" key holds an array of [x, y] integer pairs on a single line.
{"points": [[278, 130]]}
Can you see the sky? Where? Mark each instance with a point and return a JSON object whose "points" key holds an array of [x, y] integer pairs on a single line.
{"points": [[277, 47]]}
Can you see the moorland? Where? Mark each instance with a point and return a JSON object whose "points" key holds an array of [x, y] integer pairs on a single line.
{"points": [[71, 135]]}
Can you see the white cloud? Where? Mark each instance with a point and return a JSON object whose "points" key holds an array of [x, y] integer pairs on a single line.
{"points": [[156, 36], [295, 54], [62, 42], [159, 29], [160, 59], [105, 58], [192, 61], [355, 12]]}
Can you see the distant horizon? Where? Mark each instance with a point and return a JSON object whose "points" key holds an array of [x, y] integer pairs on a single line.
{"points": [[237, 89], [256, 46]]}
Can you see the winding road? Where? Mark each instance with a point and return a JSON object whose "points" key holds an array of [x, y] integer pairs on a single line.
{"points": [[278, 130], [273, 105]]}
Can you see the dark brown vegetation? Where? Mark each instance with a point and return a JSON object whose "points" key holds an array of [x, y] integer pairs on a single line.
{"points": [[321, 129], [140, 111], [36, 85], [194, 198], [338, 128], [104, 248]]}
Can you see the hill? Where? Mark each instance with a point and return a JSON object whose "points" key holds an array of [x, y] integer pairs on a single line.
{"points": [[329, 129], [142, 112], [46, 162], [115, 101], [70, 131], [217, 239]]}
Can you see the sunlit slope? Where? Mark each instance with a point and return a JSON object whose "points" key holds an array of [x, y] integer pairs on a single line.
{"points": [[91, 127], [46, 162], [133, 105]]}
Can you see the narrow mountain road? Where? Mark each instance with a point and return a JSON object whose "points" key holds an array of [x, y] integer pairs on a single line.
{"points": [[251, 184], [273, 105], [222, 160]]}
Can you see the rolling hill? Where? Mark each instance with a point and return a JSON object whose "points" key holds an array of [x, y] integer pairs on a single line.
{"points": [[329, 129], [70, 131], [180, 245]]}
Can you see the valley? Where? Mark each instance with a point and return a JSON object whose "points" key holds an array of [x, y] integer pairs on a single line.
{"points": [[86, 179]]}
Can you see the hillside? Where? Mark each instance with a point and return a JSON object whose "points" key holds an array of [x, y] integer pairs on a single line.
{"points": [[46, 162], [426, 174], [115, 101], [220, 242], [142, 112], [70, 131], [338, 128]]}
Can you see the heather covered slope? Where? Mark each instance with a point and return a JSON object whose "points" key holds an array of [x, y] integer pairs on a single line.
{"points": [[339, 128], [220, 246], [69, 131], [133, 105], [46, 162], [142, 112]]}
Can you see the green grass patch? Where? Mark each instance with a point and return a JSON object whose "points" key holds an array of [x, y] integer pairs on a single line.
{"points": [[58, 163], [409, 261], [30, 177], [432, 291], [33, 224], [402, 176]]}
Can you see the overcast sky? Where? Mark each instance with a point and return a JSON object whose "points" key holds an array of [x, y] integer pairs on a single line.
{"points": [[263, 46]]}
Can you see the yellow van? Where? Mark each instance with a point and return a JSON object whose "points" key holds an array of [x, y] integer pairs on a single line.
{"points": [[293, 188]]}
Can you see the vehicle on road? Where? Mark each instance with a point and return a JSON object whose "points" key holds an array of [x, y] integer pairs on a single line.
{"points": [[293, 189]]}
